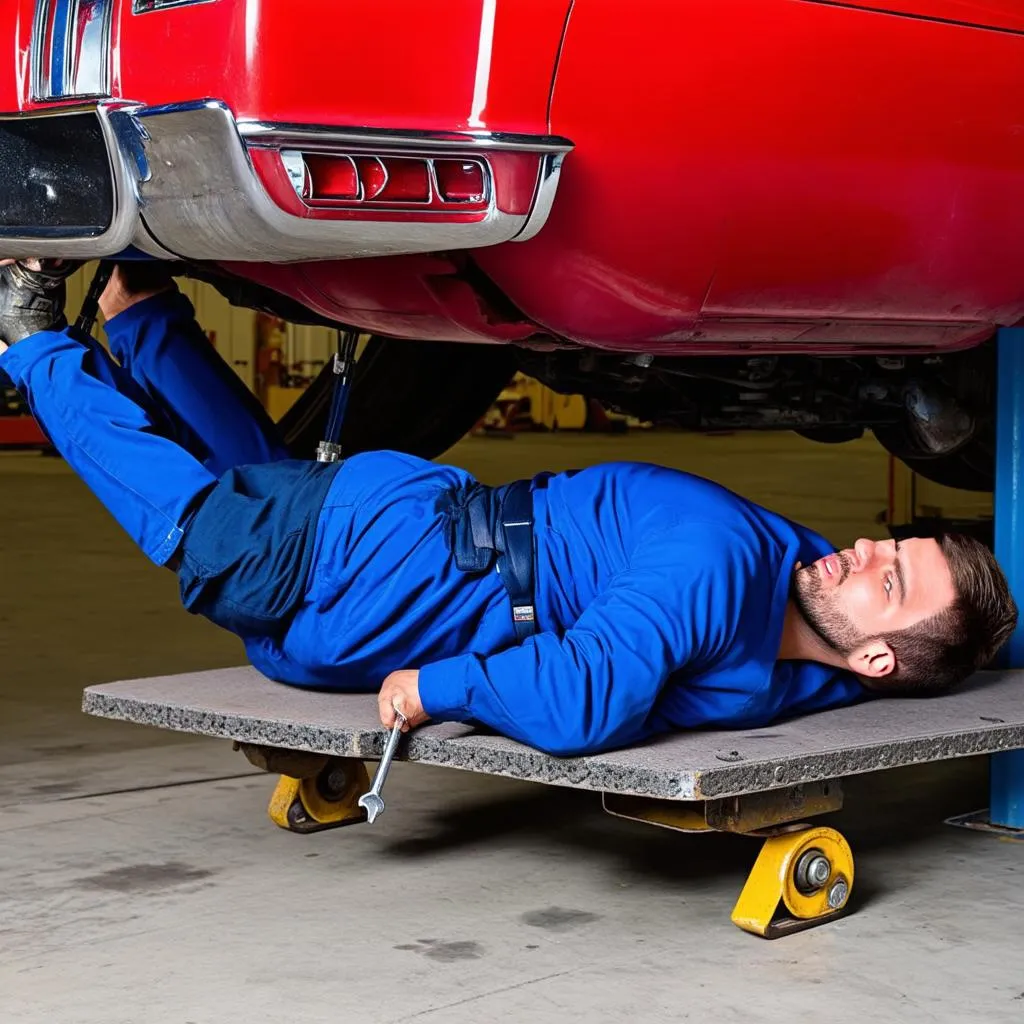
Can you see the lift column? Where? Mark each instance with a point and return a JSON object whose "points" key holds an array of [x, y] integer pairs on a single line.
{"points": [[1007, 770]]}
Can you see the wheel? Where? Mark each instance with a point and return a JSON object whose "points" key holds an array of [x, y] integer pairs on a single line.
{"points": [[959, 471], [329, 799], [802, 878], [418, 397], [968, 380], [970, 468]]}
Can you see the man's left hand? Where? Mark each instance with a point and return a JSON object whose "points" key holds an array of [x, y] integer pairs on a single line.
{"points": [[401, 691]]}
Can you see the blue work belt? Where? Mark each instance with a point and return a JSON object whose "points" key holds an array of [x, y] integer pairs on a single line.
{"points": [[494, 526]]}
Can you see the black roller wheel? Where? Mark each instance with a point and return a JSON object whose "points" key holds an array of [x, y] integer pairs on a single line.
{"points": [[418, 397]]}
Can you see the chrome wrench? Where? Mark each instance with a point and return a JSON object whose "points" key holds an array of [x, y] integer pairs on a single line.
{"points": [[372, 802]]}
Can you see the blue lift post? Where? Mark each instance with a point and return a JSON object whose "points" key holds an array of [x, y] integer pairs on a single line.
{"points": [[1006, 805]]}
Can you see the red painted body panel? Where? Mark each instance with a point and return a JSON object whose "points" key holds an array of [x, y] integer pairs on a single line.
{"points": [[816, 171], [16, 30], [413, 65], [405, 296], [774, 174], [1005, 14]]}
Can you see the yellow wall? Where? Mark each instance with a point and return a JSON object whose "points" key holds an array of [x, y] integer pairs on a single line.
{"points": [[547, 409]]}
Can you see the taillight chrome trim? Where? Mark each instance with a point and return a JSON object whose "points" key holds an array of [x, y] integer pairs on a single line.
{"points": [[302, 179], [309, 136], [554, 148], [71, 57], [547, 187], [487, 177]]}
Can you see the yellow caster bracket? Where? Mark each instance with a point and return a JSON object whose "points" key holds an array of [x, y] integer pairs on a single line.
{"points": [[328, 799], [800, 879]]}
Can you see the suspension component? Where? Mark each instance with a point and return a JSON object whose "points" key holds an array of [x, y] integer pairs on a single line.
{"points": [[329, 449]]}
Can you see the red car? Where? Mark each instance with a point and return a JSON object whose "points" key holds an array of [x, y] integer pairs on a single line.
{"points": [[803, 214]]}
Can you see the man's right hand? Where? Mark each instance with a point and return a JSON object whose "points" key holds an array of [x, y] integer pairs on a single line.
{"points": [[401, 692]]}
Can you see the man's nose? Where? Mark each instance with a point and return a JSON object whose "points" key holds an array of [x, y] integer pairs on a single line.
{"points": [[863, 553]]}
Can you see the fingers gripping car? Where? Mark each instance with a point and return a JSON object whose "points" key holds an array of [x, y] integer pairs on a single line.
{"points": [[726, 213]]}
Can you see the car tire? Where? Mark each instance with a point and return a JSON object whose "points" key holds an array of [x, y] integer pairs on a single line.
{"points": [[970, 468], [419, 397]]}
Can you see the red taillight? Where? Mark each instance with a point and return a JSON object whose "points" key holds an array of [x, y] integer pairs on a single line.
{"points": [[460, 181], [400, 182], [333, 177], [373, 175], [408, 181]]}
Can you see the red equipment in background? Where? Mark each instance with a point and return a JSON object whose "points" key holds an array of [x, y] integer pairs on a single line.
{"points": [[21, 432]]}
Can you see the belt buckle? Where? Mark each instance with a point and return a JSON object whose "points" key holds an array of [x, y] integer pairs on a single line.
{"points": [[522, 613]]}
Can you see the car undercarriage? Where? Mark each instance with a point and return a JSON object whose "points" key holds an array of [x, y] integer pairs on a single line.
{"points": [[933, 411]]}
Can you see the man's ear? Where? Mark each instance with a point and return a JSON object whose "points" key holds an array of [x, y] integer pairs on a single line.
{"points": [[874, 660]]}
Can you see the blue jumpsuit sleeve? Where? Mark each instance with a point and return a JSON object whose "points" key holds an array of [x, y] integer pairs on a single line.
{"points": [[594, 687]]}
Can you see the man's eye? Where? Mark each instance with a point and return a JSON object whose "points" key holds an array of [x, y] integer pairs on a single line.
{"points": [[888, 585]]}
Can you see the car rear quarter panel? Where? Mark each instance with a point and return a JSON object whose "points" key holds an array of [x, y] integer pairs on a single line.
{"points": [[779, 172]]}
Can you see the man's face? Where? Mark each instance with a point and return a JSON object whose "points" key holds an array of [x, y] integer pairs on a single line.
{"points": [[875, 587]]}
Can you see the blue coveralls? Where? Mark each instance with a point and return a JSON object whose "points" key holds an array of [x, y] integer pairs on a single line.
{"points": [[659, 596]]}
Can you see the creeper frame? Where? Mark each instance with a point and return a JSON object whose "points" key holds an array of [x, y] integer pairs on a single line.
{"points": [[802, 877]]}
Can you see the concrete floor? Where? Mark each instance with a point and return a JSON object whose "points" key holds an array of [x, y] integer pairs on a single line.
{"points": [[141, 881]]}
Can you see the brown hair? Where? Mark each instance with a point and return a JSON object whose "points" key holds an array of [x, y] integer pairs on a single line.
{"points": [[934, 655]]}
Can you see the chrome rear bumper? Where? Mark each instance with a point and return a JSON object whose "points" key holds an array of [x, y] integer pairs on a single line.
{"points": [[185, 186]]}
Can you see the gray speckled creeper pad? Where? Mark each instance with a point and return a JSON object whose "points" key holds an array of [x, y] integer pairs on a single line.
{"points": [[240, 704]]}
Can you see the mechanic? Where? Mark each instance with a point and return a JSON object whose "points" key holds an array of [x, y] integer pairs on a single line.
{"points": [[658, 600]]}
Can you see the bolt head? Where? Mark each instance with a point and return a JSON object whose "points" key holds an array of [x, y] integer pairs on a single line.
{"points": [[335, 784], [812, 872], [838, 894], [818, 871]]}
